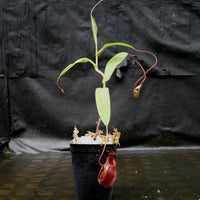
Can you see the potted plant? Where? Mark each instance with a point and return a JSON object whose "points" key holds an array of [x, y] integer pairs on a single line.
{"points": [[93, 154]]}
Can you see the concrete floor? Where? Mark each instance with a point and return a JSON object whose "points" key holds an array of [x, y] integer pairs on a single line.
{"points": [[156, 174]]}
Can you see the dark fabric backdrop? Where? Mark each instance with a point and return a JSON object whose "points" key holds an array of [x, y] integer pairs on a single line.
{"points": [[39, 38]]}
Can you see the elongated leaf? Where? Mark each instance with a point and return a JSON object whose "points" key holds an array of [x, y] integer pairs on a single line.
{"points": [[102, 97], [114, 44], [94, 29], [81, 60], [113, 63]]}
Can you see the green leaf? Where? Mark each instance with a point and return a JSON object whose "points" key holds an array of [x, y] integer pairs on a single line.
{"points": [[113, 44], [113, 63], [102, 97], [81, 60], [94, 29]]}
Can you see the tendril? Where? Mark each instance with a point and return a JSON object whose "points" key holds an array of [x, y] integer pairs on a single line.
{"points": [[136, 87], [57, 83]]}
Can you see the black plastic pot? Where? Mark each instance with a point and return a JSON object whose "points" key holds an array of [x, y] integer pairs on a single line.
{"points": [[86, 170]]}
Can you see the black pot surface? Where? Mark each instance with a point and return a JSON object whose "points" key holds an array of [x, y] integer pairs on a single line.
{"points": [[86, 169]]}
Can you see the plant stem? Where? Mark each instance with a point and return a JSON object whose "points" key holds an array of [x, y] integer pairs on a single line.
{"points": [[97, 68], [96, 56], [96, 46], [106, 132]]}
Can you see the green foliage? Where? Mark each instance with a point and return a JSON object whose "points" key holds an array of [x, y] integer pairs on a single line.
{"points": [[113, 63], [94, 30], [81, 60], [114, 44], [102, 97]]}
